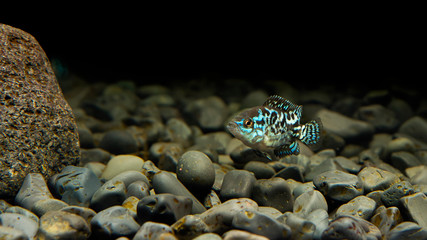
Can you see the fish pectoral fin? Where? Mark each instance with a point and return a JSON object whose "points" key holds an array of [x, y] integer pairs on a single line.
{"points": [[286, 149]]}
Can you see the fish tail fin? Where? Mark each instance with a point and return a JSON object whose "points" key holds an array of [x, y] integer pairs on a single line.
{"points": [[310, 133]]}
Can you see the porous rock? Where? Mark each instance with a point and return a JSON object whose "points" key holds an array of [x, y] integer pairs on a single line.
{"points": [[39, 133]]}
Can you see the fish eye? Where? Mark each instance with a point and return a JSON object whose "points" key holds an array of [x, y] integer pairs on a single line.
{"points": [[248, 123]]}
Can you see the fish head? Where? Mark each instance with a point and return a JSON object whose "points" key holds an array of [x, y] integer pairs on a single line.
{"points": [[243, 126]]}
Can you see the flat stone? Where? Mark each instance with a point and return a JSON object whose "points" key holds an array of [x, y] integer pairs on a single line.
{"points": [[343, 126], [33, 189], [189, 227], [122, 163], [383, 119], [25, 224], [163, 208], [360, 206], [328, 164], [339, 185], [110, 194], [43, 206], [348, 227], [196, 171], [113, 222], [386, 219], [76, 185], [407, 230], [165, 182], [119, 142], [260, 169], [63, 225], [415, 127], [376, 179], [400, 144], [152, 230], [39, 134], [237, 184], [415, 206], [392, 195], [403, 160], [308, 202], [419, 175], [258, 223], [240, 234], [273, 192], [219, 217]]}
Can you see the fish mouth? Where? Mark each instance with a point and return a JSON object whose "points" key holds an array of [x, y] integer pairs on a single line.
{"points": [[232, 128]]}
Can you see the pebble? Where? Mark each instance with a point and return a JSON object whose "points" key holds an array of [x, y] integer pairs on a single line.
{"points": [[12, 233], [180, 132], [130, 177], [83, 212], [294, 172], [391, 196], [94, 155], [308, 202], [32, 190], [386, 219], [113, 222], [400, 144], [20, 222], [260, 224], [402, 160], [122, 163], [22, 211], [118, 142], [153, 230], [383, 119], [348, 227], [239, 235], [326, 165], [407, 230], [138, 189], [163, 208], [360, 206], [376, 179], [195, 170], [209, 113], [415, 207], [165, 182], [418, 175], [76, 185], [301, 228], [63, 225], [219, 218], [189, 227], [237, 184], [273, 192], [43, 206], [415, 127], [111, 193], [339, 185], [243, 154], [260, 169]]}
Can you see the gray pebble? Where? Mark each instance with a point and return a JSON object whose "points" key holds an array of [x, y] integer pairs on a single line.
{"points": [[9, 233], [209, 113], [32, 190], [22, 211], [20, 222], [76, 185], [376, 179], [243, 154], [327, 165], [237, 184], [308, 202], [386, 219], [85, 137], [273, 192], [419, 176], [292, 172], [339, 185], [153, 230], [189, 227], [360, 206], [216, 141], [94, 155], [415, 127], [120, 164], [113, 222], [163, 208], [399, 144], [83, 212], [110, 194], [320, 219], [43, 206], [348, 165], [165, 182], [415, 206], [63, 225], [128, 177], [301, 228], [210, 236], [195, 171], [219, 217], [180, 132], [258, 223], [347, 227], [260, 169], [407, 230], [211, 199], [391, 196], [119, 142], [302, 188], [138, 189], [383, 119], [240, 235], [402, 160]]}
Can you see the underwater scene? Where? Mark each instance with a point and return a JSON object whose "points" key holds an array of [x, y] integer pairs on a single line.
{"points": [[126, 139]]}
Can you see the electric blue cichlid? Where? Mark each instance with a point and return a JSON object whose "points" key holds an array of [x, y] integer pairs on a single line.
{"points": [[274, 128]]}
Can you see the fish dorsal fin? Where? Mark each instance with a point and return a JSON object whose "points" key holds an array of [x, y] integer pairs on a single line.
{"points": [[281, 103]]}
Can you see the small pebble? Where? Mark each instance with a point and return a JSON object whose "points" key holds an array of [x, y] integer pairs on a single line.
{"points": [[20, 222], [152, 230], [376, 179], [119, 142], [240, 235], [348, 227], [383, 119], [110, 194], [407, 230], [122, 163], [415, 206], [386, 219], [291, 172], [138, 189], [43, 206], [189, 227], [273, 192], [63, 225], [301, 228], [339, 185], [360, 206], [32, 190], [237, 184], [12, 233], [260, 169], [308, 202], [392, 195], [403, 160], [113, 222], [415, 127]]}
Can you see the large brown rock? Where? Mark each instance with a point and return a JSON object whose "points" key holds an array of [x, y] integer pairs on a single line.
{"points": [[37, 128]]}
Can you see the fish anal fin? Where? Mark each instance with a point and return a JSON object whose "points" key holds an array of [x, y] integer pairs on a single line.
{"points": [[287, 149]]}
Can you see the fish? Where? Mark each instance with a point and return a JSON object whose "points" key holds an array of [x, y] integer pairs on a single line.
{"points": [[275, 128]]}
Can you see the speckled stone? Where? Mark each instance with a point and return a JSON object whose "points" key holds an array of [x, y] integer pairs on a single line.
{"points": [[163, 208], [415, 206], [63, 225], [273, 192], [113, 222], [386, 219], [258, 223], [122, 163], [360, 206], [219, 217], [189, 227], [33, 189], [407, 230], [152, 230], [237, 184], [20, 222], [376, 179], [339, 185], [308, 202], [347, 227], [391, 196]]}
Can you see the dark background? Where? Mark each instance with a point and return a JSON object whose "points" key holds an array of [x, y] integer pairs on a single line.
{"points": [[372, 56]]}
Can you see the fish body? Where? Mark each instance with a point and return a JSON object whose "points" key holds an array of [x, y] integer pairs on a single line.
{"points": [[274, 128]]}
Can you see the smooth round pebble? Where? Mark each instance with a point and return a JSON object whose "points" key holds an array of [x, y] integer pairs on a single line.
{"points": [[122, 163], [240, 234], [110, 194], [138, 189], [195, 170], [407, 230], [348, 227]]}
